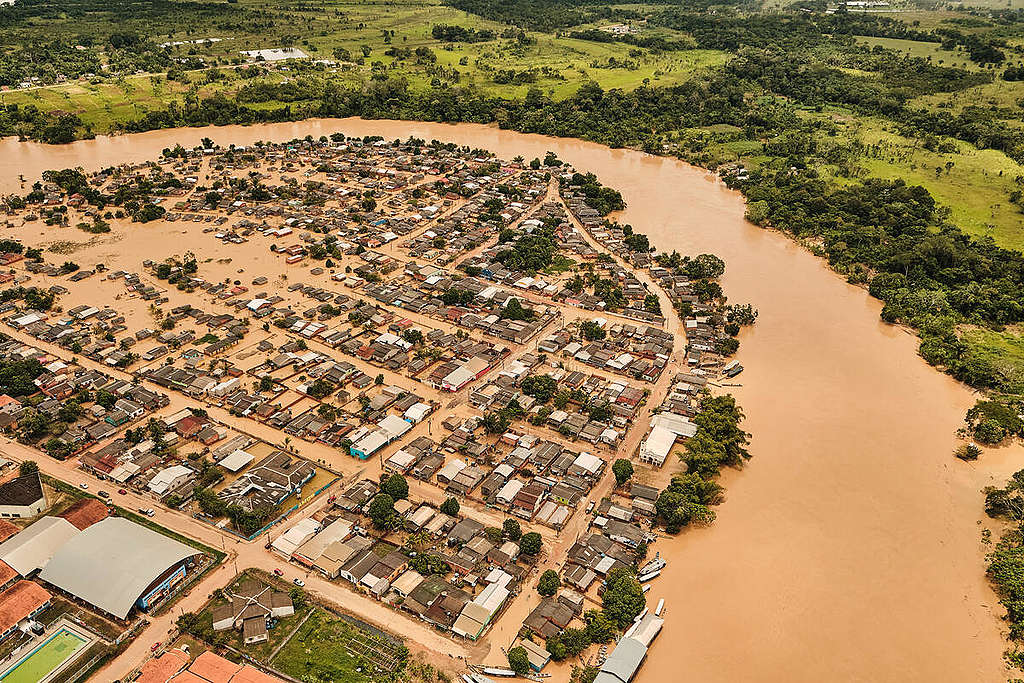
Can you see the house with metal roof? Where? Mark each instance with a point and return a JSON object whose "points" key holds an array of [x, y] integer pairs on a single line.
{"points": [[624, 661], [478, 613], [252, 604]]}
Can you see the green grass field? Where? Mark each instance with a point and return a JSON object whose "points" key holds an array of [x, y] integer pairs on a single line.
{"points": [[998, 94], [976, 188], [1005, 350], [925, 50], [329, 649]]}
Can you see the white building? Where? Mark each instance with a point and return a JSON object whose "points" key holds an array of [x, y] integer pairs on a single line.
{"points": [[22, 497], [169, 479]]}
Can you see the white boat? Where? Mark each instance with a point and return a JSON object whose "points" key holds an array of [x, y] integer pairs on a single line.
{"points": [[659, 608], [641, 616], [654, 565], [644, 578], [646, 587], [494, 671]]}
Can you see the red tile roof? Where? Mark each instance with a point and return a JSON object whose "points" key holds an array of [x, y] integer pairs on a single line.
{"points": [[7, 529], [85, 513], [19, 601], [161, 669], [7, 573], [208, 667]]}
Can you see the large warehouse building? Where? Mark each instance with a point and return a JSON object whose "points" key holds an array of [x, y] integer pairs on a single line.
{"points": [[116, 565]]}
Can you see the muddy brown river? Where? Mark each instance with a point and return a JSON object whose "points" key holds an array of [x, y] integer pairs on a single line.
{"points": [[850, 547]]}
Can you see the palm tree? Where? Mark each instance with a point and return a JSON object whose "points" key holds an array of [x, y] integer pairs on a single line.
{"points": [[418, 540]]}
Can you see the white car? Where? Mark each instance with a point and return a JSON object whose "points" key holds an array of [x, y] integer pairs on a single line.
{"points": [[299, 582], [84, 486]]}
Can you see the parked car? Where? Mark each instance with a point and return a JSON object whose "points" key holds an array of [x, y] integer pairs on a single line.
{"points": [[122, 491], [156, 645], [279, 572], [103, 494], [299, 582], [83, 485]]}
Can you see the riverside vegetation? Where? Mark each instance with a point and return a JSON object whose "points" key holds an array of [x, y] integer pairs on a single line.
{"points": [[1006, 559]]}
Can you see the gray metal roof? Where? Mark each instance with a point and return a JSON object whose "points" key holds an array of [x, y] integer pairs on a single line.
{"points": [[32, 548], [112, 562], [622, 663]]}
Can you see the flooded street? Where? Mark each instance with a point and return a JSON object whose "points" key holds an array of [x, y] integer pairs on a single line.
{"points": [[849, 549]]}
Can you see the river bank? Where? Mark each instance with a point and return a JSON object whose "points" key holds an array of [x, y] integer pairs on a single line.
{"points": [[849, 548]]}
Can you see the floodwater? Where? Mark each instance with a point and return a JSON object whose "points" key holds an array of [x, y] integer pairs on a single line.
{"points": [[849, 549]]}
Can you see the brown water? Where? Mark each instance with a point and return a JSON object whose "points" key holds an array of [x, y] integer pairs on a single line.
{"points": [[849, 549]]}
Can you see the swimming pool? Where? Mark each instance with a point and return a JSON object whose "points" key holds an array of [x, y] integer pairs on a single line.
{"points": [[45, 658]]}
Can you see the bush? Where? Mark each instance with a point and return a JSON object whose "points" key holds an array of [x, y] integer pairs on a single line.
{"points": [[600, 628], [450, 507], [991, 421], [989, 432], [623, 598], [757, 212], [967, 451], [382, 511], [396, 486], [592, 331]]}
